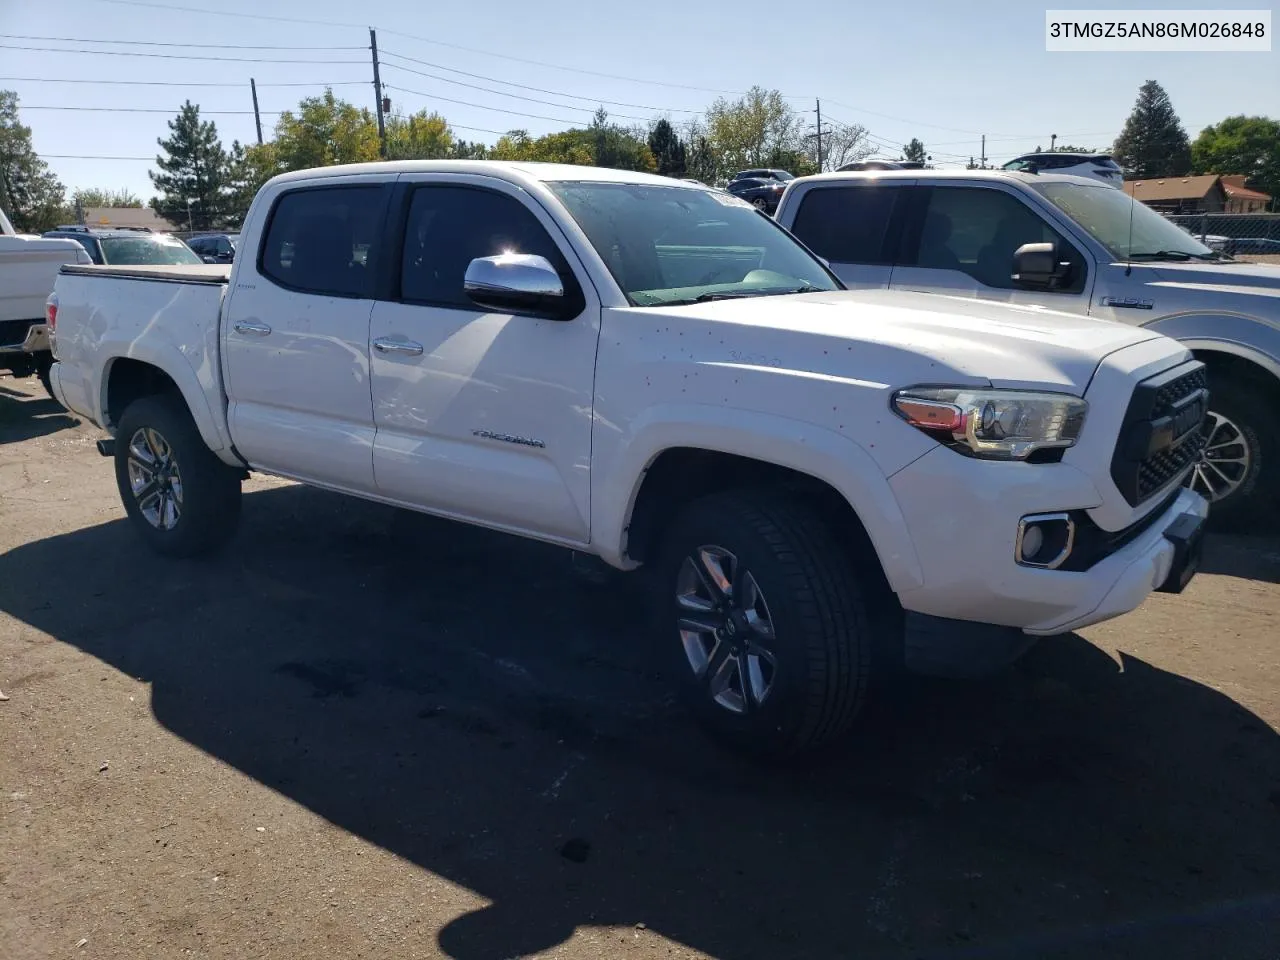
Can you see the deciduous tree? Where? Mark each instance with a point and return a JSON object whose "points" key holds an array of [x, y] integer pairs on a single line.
{"points": [[1243, 145]]}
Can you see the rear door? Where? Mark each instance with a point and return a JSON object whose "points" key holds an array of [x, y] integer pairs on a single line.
{"points": [[296, 333], [483, 414], [855, 226]]}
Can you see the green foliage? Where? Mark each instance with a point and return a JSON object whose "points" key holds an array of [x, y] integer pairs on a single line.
{"points": [[421, 136], [1153, 142], [325, 131], [914, 151], [30, 195], [668, 150], [758, 129], [1241, 145], [601, 145], [194, 178], [94, 197]]}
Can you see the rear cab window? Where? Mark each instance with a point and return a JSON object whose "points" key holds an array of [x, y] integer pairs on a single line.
{"points": [[852, 223], [324, 240]]}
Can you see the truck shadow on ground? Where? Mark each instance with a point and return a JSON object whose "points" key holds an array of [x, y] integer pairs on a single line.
{"points": [[458, 698], [25, 416]]}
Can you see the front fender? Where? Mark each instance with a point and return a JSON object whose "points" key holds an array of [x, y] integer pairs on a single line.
{"points": [[823, 454], [1250, 338]]}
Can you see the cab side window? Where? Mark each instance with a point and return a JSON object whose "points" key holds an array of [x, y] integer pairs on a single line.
{"points": [[976, 231], [449, 226], [323, 240]]}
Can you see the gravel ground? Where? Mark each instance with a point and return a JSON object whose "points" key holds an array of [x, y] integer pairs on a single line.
{"points": [[360, 733]]}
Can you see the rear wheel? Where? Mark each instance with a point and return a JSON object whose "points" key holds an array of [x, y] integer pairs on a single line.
{"points": [[768, 630], [182, 499], [1242, 449]]}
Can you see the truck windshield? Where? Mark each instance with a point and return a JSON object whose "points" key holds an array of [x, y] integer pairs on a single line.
{"points": [[138, 251], [1105, 213], [681, 244]]}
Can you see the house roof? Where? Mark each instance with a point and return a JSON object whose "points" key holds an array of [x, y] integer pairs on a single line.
{"points": [[1172, 188], [126, 217], [1233, 183]]}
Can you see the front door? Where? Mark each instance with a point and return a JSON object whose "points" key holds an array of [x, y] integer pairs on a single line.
{"points": [[296, 337], [962, 241], [481, 414]]}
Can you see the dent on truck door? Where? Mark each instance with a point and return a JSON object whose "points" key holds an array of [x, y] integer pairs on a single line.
{"points": [[482, 414], [297, 338]]}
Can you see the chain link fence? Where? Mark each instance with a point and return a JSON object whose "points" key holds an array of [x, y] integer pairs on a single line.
{"points": [[1245, 236]]}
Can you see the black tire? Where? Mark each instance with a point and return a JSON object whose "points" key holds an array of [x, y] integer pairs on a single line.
{"points": [[44, 363], [821, 639], [208, 492], [1245, 402]]}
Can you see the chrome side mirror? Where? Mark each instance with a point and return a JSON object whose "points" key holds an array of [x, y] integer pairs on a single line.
{"points": [[515, 282]]}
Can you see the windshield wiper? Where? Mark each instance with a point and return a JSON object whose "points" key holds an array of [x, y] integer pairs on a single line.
{"points": [[708, 297], [1179, 256]]}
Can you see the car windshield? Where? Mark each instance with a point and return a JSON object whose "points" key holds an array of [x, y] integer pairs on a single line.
{"points": [[668, 245], [146, 250], [1107, 214]]}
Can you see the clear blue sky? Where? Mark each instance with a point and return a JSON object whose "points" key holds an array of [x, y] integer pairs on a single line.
{"points": [[939, 70]]}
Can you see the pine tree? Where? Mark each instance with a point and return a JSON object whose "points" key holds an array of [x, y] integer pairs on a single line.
{"points": [[668, 149], [32, 197], [1153, 142], [914, 151], [195, 173]]}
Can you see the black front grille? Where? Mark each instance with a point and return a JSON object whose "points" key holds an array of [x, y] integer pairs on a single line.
{"points": [[1162, 434], [13, 332]]}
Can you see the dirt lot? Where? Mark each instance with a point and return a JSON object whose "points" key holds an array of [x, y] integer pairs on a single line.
{"points": [[361, 733]]}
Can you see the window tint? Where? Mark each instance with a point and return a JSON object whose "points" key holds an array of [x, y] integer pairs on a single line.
{"points": [[976, 231], [448, 227], [847, 224], [321, 240], [223, 246], [197, 244]]}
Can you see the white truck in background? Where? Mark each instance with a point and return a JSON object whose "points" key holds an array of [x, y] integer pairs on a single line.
{"points": [[1057, 242], [821, 482], [28, 267]]}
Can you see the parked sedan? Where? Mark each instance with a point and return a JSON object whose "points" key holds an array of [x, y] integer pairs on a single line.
{"points": [[762, 194]]}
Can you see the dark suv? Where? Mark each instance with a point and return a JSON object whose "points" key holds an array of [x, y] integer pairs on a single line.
{"points": [[215, 247], [122, 246], [763, 173]]}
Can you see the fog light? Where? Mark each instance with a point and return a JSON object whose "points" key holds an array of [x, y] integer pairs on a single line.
{"points": [[1044, 540]]}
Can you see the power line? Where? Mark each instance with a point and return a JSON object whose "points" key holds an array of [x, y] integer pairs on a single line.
{"points": [[170, 56], [159, 43], [168, 110], [503, 93], [78, 156], [480, 106], [524, 86], [183, 83]]}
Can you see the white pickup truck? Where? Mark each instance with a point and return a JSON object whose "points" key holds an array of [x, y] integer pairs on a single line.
{"points": [[823, 483], [1059, 242], [28, 267]]}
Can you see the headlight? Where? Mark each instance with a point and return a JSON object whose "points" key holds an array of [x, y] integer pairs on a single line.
{"points": [[994, 424]]}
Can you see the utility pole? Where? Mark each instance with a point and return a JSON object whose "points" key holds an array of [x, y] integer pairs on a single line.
{"points": [[984, 151], [1053, 140], [257, 118], [818, 103], [377, 91]]}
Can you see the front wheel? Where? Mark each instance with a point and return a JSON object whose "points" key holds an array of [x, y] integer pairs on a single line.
{"points": [[1241, 444], [768, 633], [182, 499]]}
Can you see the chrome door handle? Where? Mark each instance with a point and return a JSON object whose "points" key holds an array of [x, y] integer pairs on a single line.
{"points": [[407, 347], [248, 326]]}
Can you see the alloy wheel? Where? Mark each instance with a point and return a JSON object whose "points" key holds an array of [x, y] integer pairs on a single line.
{"points": [[726, 629], [1224, 462], [154, 478]]}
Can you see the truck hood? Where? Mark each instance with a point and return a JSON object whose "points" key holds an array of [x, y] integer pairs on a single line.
{"points": [[959, 340], [1221, 284]]}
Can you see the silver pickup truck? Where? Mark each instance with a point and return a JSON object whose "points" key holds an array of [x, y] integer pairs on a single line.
{"points": [[1057, 242]]}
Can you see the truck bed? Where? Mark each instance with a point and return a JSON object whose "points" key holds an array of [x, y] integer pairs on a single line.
{"points": [[216, 273]]}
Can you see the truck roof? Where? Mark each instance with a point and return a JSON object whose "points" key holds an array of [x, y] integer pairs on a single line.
{"points": [[504, 169], [924, 174]]}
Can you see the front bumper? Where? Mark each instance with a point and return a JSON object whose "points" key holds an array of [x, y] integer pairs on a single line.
{"points": [[967, 552]]}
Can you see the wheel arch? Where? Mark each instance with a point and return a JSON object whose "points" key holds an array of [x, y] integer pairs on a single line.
{"points": [[699, 453], [126, 379]]}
